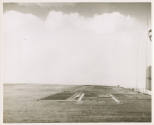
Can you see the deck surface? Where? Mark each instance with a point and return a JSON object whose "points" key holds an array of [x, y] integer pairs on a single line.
{"points": [[30, 103]]}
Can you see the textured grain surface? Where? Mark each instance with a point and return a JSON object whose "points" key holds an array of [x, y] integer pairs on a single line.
{"points": [[24, 104]]}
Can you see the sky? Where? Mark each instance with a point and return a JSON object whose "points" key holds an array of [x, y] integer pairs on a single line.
{"points": [[77, 43]]}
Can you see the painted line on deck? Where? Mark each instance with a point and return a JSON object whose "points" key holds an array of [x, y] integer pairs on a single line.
{"points": [[81, 96], [78, 96], [115, 99], [73, 96]]}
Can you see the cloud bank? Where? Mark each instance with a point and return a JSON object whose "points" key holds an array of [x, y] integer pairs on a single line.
{"points": [[107, 48]]}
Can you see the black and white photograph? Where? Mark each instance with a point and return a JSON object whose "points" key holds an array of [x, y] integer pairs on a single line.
{"points": [[77, 62]]}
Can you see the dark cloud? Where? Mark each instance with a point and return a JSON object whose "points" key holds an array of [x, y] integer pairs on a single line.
{"points": [[142, 11]]}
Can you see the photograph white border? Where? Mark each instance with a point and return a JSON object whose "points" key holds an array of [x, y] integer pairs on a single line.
{"points": [[53, 1], [46, 1]]}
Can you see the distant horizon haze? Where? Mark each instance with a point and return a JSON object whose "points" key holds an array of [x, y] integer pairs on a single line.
{"points": [[86, 43]]}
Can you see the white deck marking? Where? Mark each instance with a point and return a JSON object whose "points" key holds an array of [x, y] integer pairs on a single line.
{"points": [[73, 96], [76, 97], [114, 98], [81, 96]]}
